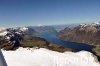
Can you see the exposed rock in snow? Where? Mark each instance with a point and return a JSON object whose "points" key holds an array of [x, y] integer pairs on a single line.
{"points": [[92, 24], [44, 57], [83, 25]]}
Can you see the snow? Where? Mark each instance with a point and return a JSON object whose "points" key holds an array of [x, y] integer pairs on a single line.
{"points": [[1, 28], [39, 25], [3, 33], [83, 25], [23, 28], [97, 23], [45, 57], [7, 37], [92, 24]]}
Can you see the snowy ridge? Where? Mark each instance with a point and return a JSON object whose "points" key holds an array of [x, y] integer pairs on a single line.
{"points": [[3, 33], [45, 57], [96, 23], [23, 29], [92, 24], [1, 28]]}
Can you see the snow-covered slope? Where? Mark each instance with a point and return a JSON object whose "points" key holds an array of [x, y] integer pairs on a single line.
{"points": [[44, 57], [3, 31], [1, 28]]}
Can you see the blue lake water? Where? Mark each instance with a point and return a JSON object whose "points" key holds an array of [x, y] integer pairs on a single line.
{"points": [[52, 37]]}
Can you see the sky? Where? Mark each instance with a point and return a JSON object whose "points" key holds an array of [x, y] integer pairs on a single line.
{"points": [[48, 12]]}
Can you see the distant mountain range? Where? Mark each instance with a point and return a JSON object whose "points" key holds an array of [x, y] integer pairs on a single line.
{"points": [[84, 33], [28, 36]]}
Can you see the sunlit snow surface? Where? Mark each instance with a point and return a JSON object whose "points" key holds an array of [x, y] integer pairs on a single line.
{"points": [[3, 33], [45, 57]]}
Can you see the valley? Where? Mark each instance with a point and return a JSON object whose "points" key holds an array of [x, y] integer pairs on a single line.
{"points": [[48, 37]]}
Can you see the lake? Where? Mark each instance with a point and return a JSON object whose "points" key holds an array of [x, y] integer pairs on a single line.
{"points": [[52, 37]]}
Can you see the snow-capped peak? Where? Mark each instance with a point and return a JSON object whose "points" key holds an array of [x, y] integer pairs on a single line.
{"points": [[92, 24], [39, 25], [83, 25], [23, 28], [96, 23]]}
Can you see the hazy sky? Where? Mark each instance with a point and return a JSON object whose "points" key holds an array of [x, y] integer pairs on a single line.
{"points": [[48, 12]]}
